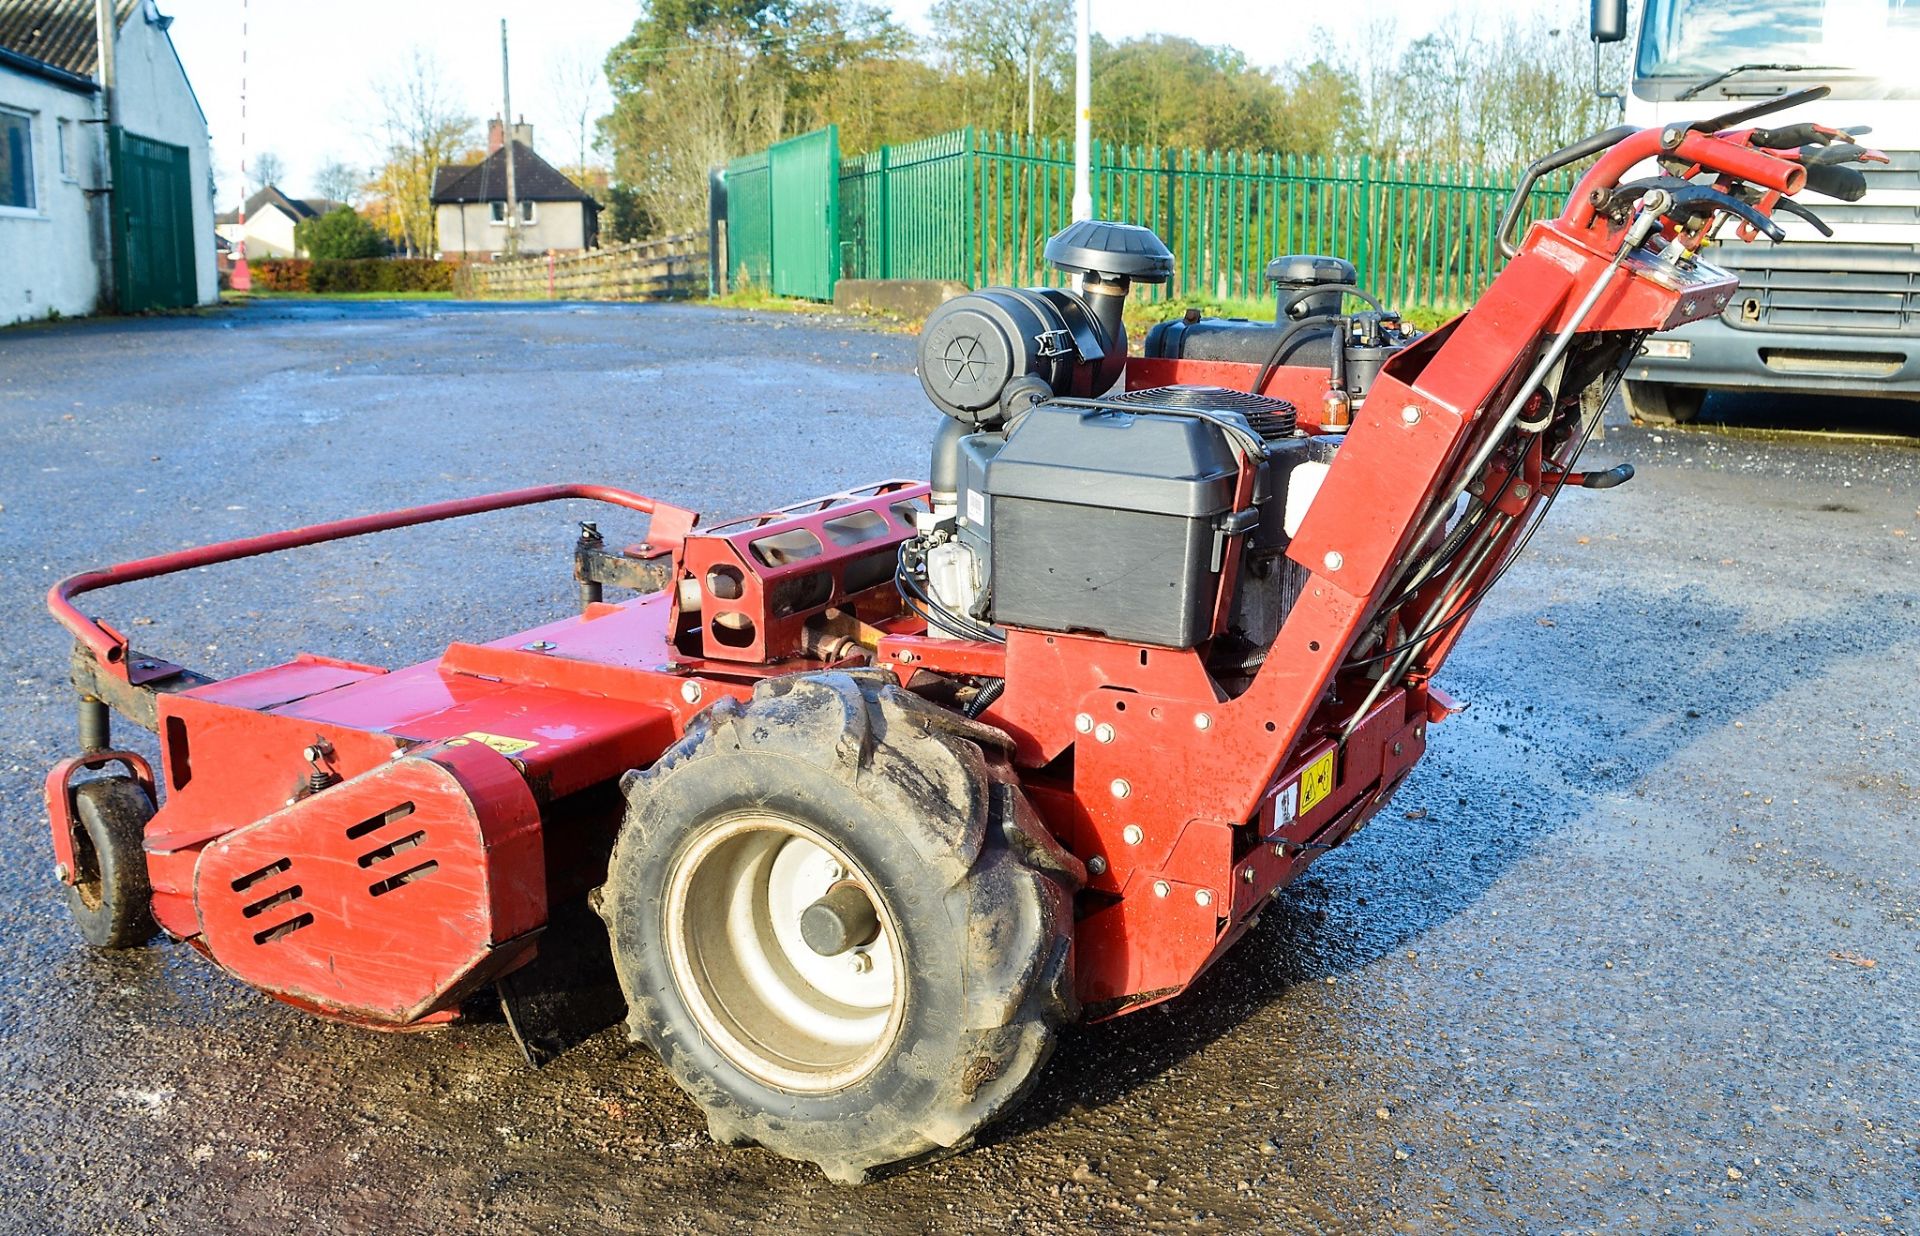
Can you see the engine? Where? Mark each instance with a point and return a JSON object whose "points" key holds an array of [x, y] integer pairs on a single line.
{"points": [[1062, 502]]}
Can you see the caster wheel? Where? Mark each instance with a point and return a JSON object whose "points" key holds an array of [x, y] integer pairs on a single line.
{"points": [[110, 898]]}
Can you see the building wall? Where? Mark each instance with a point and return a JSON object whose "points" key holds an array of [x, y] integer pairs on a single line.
{"points": [[468, 228], [49, 255], [269, 234], [155, 101]]}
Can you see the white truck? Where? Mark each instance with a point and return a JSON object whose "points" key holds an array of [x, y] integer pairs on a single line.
{"points": [[1818, 315]]}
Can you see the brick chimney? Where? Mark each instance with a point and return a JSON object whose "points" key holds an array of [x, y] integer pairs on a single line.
{"points": [[496, 136]]}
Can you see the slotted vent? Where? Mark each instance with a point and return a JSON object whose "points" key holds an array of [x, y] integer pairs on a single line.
{"points": [[1268, 417]]}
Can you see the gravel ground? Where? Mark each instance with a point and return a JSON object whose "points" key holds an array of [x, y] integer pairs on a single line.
{"points": [[1634, 950]]}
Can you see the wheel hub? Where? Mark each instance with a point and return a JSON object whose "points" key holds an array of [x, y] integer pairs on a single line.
{"points": [[789, 963]]}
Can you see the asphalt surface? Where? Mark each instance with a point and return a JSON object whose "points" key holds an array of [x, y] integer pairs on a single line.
{"points": [[1636, 949]]}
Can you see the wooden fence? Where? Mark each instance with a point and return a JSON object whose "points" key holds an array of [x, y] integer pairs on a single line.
{"points": [[665, 268]]}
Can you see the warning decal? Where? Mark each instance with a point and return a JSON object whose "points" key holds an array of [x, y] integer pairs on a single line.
{"points": [[1316, 783], [501, 743]]}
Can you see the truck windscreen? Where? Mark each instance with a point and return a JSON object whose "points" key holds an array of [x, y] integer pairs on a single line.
{"points": [[1878, 42]]}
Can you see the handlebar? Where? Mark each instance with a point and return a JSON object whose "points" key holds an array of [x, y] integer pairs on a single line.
{"points": [[110, 648], [1624, 146]]}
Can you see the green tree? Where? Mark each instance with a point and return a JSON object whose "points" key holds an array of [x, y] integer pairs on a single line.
{"points": [[699, 81], [340, 233]]}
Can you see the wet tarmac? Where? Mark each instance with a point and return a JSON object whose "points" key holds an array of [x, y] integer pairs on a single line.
{"points": [[1637, 948]]}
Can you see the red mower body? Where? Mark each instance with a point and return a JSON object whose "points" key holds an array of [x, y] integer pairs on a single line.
{"points": [[375, 845]]}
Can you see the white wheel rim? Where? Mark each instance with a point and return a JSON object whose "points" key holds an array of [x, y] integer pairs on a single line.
{"points": [[775, 1008]]}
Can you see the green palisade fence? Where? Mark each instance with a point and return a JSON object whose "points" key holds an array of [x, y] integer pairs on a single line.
{"points": [[977, 208]]}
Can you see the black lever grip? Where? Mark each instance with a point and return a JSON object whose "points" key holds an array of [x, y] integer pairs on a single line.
{"points": [[1837, 180], [1619, 474]]}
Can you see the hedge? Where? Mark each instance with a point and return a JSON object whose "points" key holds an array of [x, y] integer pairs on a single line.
{"points": [[352, 275]]}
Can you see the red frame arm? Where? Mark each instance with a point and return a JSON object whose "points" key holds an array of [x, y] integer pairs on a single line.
{"points": [[110, 648]]}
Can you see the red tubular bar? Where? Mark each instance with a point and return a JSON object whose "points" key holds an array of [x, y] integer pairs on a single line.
{"points": [[1731, 158], [110, 649]]}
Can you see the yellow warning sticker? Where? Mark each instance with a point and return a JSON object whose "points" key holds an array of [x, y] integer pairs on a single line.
{"points": [[501, 743], [1316, 783]]}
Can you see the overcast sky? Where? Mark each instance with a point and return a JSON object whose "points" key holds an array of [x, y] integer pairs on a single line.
{"points": [[311, 67]]}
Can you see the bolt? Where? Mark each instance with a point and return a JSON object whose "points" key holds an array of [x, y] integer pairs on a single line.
{"points": [[1103, 732], [1120, 787], [1161, 888], [1334, 560], [1398, 748], [860, 962], [908, 658], [539, 645], [1410, 414], [1202, 721], [1132, 834], [1203, 896], [1419, 731], [63, 871], [1687, 306], [1246, 874], [1083, 723], [834, 870], [145, 665], [690, 692], [1523, 491], [1096, 865]]}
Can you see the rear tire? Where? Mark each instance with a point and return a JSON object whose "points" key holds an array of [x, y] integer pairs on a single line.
{"points": [[1661, 403], [110, 897], [885, 1052]]}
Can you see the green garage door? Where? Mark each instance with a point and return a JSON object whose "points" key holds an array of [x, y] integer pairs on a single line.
{"points": [[152, 224]]}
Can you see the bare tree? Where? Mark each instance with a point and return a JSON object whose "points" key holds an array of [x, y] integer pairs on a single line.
{"points": [[578, 85], [265, 168], [1012, 56], [420, 129], [338, 182]]}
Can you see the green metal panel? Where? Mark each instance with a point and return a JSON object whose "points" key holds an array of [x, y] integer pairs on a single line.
{"points": [[750, 221], [806, 214], [152, 224]]}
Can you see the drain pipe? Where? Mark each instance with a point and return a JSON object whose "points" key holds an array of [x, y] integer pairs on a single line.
{"points": [[107, 33]]}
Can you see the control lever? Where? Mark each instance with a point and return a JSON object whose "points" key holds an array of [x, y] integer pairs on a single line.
{"points": [[1765, 107], [1619, 474], [1801, 212], [1692, 198]]}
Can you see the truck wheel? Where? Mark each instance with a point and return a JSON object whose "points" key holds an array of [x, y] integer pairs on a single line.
{"points": [[1660, 403], [110, 896], [838, 921]]}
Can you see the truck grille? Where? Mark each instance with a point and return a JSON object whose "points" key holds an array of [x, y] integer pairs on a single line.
{"points": [[1824, 286]]}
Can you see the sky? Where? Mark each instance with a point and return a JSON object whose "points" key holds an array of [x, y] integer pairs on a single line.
{"points": [[311, 70]]}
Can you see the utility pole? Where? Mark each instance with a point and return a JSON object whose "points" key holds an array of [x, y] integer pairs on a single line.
{"points": [[241, 277], [506, 123], [1083, 115]]}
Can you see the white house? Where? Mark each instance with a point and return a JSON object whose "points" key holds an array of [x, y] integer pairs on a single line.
{"points": [[271, 217], [470, 203], [70, 243]]}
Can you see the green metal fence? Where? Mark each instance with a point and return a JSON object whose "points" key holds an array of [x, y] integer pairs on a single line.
{"points": [[977, 208]]}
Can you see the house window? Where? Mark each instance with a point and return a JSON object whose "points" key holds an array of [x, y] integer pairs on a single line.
{"points": [[16, 161], [500, 212]]}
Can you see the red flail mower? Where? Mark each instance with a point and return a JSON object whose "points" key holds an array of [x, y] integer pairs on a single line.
{"points": [[856, 802]]}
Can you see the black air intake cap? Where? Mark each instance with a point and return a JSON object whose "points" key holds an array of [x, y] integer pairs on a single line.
{"points": [[1110, 250]]}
